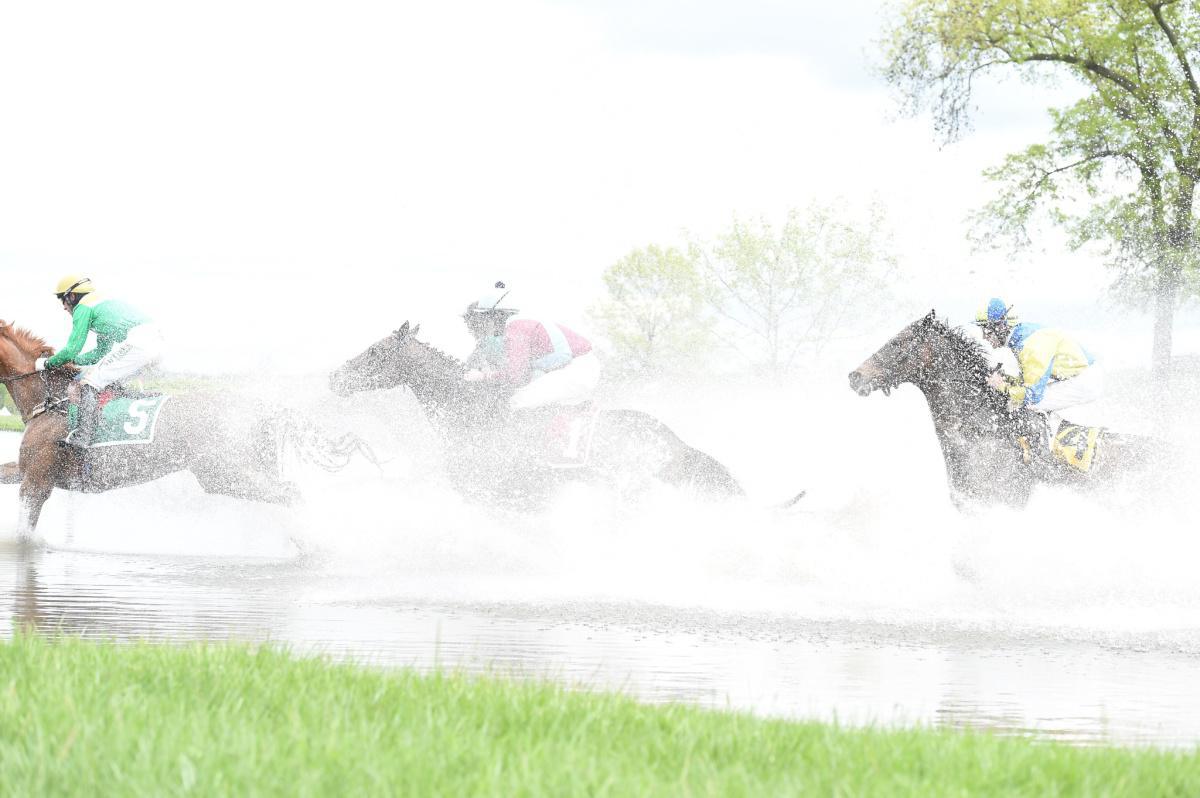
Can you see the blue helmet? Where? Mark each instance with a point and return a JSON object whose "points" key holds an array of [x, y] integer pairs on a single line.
{"points": [[995, 313]]}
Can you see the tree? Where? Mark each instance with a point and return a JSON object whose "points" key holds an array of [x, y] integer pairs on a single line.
{"points": [[796, 288], [1121, 164], [654, 310]]}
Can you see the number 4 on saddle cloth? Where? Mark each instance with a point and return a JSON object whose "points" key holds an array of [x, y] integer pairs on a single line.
{"points": [[1076, 445], [1073, 445], [125, 417]]}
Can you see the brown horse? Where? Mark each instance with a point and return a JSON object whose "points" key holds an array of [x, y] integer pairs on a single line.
{"points": [[493, 451], [993, 453], [229, 450]]}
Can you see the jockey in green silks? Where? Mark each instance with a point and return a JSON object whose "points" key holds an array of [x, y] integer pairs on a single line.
{"points": [[126, 342], [1056, 371]]}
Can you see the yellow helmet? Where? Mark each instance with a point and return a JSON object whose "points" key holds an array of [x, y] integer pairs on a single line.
{"points": [[74, 284]]}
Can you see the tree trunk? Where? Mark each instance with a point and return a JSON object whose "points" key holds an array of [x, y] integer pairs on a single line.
{"points": [[1164, 317], [1165, 298]]}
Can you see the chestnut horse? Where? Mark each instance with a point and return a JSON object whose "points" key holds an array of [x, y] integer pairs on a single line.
{"points": [[490, 451], [979, 433], [229, 452]]}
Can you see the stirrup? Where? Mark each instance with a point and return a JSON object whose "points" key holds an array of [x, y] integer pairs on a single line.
{"points": [[67, 442]]}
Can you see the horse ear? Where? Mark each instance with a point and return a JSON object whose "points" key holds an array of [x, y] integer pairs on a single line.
{"points": [[416, 329], [403, 331]]}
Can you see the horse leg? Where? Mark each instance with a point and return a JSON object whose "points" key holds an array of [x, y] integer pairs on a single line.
{"points": [[35, 490], [242, 484], [36, 466]]}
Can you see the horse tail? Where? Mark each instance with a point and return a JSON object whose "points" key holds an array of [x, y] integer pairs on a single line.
{"points": [[701, 470], [790, 503], [687, 465]]}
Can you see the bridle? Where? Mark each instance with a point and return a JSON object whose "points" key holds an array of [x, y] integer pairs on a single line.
{"points": [[19, 377], [898, 370]]}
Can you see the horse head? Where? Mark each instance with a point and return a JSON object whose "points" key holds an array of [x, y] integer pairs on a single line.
{"points": [[979, 433], [905, 358], [19, 348], [385, 364]]}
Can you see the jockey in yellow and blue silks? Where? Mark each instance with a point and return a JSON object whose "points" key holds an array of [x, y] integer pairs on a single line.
{"points": [[1056, 371]]}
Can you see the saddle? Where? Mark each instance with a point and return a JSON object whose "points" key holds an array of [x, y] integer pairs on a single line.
{"points": [[559, 436], [1073, 445]]}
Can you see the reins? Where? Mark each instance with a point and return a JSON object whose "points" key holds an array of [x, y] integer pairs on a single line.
{"points": [[46, 404], [15, 378]]}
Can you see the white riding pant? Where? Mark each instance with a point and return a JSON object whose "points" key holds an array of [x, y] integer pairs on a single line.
{"points": [[142, 346], [1087, 386], [572, 384]]}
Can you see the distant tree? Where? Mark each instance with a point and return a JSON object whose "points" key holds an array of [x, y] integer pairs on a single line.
{"points": [[654, 310], [1121, 164], [824, 273], [6, 400]]}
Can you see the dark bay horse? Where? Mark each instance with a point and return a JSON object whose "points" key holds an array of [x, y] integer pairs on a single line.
{"points": [[979, 433], [491, 452], [230, 451]]}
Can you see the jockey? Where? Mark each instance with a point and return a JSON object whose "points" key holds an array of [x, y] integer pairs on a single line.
{"points": [[126, 342], [1056, 371], [544, 362]]}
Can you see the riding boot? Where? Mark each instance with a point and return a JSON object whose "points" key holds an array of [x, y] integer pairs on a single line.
{"points": [[1053, 425], [89, 409]]}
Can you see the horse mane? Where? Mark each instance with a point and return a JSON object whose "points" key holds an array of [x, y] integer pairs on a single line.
{"points": [[969, 354], [963, 348], [447, 361], [25, 340]]}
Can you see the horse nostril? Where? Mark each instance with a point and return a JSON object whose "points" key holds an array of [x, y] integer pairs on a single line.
{"points": [[860, 384]]}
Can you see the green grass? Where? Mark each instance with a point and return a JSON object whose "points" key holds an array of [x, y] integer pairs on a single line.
{"points": [[11, 424], [84, 718]]}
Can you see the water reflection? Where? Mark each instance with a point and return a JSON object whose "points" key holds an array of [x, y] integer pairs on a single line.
{"points": [[91, 595], [777, 666]]}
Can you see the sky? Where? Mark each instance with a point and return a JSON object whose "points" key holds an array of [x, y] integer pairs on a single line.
{"points": [[280, 184]]}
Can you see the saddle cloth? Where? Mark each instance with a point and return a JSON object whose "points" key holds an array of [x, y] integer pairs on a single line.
{"points": [[1075, 445], [125, 418]]}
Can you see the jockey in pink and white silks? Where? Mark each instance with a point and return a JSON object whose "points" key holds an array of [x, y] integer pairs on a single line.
{"points": [[1056, 371], [546, 363]]}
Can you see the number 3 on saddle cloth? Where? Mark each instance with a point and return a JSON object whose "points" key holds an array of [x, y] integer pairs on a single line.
{"points": [[565, 434], [125, 417]]}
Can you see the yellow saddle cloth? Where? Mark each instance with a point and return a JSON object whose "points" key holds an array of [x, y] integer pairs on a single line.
{"points": [[1075, 445]]}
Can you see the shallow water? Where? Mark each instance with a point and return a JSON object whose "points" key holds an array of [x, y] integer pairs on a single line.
{"points": [[875, 602]]}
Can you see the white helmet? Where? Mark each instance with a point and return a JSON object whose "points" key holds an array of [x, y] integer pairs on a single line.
{"points": [[493, 301]]}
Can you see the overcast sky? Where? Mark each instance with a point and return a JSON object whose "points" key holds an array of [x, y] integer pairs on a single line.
{"points": [[318, 172]]}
